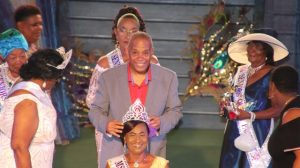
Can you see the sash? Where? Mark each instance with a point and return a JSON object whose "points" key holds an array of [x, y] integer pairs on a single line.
{"points": [[258, 157], [118, 162], [5, 83], [115, 58]]}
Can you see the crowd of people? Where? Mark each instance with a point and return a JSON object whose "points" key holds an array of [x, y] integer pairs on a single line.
{"points": [[134, 101]]}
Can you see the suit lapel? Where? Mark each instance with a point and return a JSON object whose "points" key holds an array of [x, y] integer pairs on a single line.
{"points": [[123, 84], [151, 89]]}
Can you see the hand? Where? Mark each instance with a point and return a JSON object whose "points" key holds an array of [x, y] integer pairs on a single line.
{"points": [[223, 111], [114, 128], [243, 114], [155, 122]]}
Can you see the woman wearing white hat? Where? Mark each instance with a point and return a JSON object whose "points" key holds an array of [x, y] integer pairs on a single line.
{"points": [[245, 139]]}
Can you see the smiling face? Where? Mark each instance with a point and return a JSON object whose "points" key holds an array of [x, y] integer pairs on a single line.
{"points": [[256, 54], [15, 60], [31, 28], [125, 29], [137, 139], [140, 52]]}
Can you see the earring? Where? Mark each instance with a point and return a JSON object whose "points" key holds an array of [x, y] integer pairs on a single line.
{"points": [[117, 44], [44, 85], [125, 148], [148, 148]]}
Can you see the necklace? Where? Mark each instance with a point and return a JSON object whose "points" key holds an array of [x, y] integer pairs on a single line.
{"points": [[136, 163], [252, 70], [289, 100], [11, 80]]}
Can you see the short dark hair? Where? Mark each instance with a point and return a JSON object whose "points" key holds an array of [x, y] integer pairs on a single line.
{"points": [[130, 125], [25, 11], [268, 50], [138, 35], [37, 68], [128, 9], [285, 79]]}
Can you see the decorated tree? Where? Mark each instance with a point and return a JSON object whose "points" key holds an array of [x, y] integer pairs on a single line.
{"points": [[212, 69], [77, 79]]}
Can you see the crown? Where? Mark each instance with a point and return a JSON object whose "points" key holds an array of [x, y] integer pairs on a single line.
{"points": [[66, 56], [137, 111]]}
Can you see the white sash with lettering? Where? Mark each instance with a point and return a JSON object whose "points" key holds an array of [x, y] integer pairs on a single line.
{"points": [[258, 157], [115, 58], [118, 162]]}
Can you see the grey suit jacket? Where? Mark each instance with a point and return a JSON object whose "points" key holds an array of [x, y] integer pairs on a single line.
{"points": [[112, 101]]}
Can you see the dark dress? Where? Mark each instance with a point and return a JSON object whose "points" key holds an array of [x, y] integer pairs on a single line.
{"points": [[285, 137], [231, 157]]}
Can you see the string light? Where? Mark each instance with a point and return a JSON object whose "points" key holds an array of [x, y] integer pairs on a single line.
{"points": [[212, 66]]}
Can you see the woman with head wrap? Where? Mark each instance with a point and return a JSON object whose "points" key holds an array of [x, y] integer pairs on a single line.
{"points": [[13, 47]]}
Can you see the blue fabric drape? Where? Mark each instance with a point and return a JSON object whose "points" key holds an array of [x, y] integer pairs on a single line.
{"points": [[6, 15], [68, 127]]}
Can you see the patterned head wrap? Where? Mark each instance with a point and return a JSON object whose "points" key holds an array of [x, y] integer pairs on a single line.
{"points": [[11, 39]]}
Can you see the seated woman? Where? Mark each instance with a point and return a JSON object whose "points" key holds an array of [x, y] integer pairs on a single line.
{"points": [[284, 143], [28, 118], [135, 138]]}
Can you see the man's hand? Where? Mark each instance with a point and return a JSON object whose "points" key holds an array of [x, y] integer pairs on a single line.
{"points": [[155, 122], [114, 128]]}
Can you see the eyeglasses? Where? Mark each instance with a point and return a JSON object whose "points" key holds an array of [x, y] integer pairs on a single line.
{"points": [[124, 30]]}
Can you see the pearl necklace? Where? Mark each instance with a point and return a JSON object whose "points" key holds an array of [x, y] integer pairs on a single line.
{"points": [[252, 71], [136, 163], [289, 100], [11, 80]]}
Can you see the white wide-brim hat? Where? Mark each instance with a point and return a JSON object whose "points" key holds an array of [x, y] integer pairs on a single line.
{"points": [[237, 50]]}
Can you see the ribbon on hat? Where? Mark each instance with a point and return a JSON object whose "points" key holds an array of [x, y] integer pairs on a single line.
{"points": [[65, 55], [11, 39]]}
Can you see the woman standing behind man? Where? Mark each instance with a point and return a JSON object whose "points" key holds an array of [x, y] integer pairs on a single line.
{"points": [[255, 113], [127, 22], [284, 144], [28, 118]]}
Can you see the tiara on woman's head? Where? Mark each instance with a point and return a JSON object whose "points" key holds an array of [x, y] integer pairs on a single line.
{"points": [[137, 111], [66, 56]]}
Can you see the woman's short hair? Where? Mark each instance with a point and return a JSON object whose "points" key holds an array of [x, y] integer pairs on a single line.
{"points": [[126, 10], [130, 125], [268, 50], [37, 68], [140, 35], [285, 79], [25, 11]]}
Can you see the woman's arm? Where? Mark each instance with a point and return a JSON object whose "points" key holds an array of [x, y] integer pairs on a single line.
{"points": [[24, 128], [297, 159], [271, 112]]}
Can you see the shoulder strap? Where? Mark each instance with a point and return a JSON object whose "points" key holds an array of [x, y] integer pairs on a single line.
{"points": [[34, 89]]}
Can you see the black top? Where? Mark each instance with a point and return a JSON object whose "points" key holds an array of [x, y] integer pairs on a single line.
{"points": [[284, 139]]}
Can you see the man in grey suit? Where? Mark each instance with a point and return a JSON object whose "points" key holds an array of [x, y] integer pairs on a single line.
{"points": [[119, 87]]}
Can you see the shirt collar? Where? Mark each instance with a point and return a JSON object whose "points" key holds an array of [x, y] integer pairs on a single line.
{"points": [[148, 75]]}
